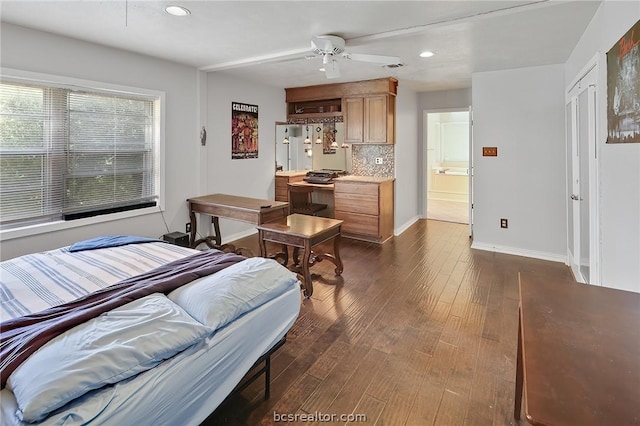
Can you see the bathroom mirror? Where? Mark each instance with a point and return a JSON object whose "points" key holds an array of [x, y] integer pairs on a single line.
{"points": [[296, 155]]}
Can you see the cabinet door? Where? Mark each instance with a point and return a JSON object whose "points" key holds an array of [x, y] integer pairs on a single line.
{"points": [[281, 189], [375, 119], [354, 120]]}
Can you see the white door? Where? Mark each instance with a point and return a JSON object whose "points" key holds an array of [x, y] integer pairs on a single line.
{"points": [[470, 172], [581, 178]]}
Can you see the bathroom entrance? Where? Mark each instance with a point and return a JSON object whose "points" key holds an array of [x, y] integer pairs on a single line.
{"points": [[447, 168]]}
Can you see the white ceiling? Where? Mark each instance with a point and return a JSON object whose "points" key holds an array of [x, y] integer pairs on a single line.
{"points": [[251, 39]]}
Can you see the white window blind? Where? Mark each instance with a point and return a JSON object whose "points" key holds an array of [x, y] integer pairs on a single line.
{"points": [[68, 153]]}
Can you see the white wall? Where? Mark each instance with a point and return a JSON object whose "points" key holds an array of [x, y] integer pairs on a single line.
{"points": [[36, 51], [521, 112], [406, 161], [619, 164], [254, 177]]}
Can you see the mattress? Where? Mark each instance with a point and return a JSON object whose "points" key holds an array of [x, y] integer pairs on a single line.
{"points": [[183, 389], [35, 282]]}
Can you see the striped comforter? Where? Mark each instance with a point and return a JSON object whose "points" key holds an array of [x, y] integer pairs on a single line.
{"points": [[35, 282]]}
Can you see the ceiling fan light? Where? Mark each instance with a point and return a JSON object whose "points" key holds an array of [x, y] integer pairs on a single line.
{"points": [[177, 11], [426, 54]]}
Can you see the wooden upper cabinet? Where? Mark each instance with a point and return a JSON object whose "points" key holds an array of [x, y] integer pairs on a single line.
{"points": [[370, 119], [375, 119], [354, 120], [368, 108]]}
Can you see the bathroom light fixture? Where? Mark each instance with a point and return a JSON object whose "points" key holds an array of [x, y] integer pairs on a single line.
{"points": [[286, 136], [307, 141], [426, 54], [344, 145], [319, 130], [177, 11], [334, 144]]}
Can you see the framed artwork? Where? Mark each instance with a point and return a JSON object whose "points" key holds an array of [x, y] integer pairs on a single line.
{"points": [[244, 131], [328, 138], [623, 88]]}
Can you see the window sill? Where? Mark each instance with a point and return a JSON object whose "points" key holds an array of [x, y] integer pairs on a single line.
{"points": [[11, 234]]}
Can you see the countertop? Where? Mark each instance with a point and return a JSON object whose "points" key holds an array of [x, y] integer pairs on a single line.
{"points": [[346, 178], [292, 173], [369, 179]]}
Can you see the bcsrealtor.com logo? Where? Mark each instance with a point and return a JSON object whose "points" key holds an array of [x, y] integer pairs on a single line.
{"points": [[319, 417]]}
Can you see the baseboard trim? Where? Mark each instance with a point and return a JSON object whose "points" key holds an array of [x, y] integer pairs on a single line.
{"points": [[520, 252], [406, 225], [238, 235]]}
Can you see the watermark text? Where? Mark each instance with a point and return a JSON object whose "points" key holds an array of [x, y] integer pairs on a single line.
{"points": [[319, 417]]}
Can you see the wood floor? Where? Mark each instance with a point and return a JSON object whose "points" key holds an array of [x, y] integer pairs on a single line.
{"points": [[419, 331]]}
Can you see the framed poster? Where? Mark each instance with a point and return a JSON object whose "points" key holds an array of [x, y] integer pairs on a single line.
{"points": [[244, 130], [623, 88], [328, 139]]}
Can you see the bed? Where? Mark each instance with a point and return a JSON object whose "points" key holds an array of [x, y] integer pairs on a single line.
{"points": [[159, 359]]}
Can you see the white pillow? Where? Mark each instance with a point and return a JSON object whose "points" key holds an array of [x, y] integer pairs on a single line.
{"points": [[218, 299], [114, 346]]}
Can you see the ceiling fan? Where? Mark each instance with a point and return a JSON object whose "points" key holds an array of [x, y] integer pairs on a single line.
{"points": [[331, 47]]}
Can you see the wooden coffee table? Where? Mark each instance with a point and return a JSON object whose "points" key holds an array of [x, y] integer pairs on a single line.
{"points": [[303, 232]]}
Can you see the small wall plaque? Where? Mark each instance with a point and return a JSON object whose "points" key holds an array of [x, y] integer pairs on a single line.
{"points": [[489, 151]]}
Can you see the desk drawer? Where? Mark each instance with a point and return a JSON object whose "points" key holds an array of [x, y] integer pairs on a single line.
{"points": [[356, 203], [356, 188], [358, 223]]}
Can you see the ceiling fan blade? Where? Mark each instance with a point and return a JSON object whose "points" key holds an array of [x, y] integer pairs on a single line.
{"points": [[331, 69], [378, 59]]}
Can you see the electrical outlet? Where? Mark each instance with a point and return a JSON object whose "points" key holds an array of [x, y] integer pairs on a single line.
{"points": [[187, 227], [379, 160], [504, 223]]}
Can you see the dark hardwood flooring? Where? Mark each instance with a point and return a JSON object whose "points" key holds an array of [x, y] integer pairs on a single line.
{"points": [[421, 330]]}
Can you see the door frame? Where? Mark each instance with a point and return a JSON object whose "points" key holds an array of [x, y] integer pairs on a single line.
{"points": [[424, 172], [587, 79]]}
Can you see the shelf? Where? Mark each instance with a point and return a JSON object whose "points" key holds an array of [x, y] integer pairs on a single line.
{"points": [[327, 108], [317, 115]]}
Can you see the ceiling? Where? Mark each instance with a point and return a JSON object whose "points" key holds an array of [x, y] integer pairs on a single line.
{"points": [[267, 41]]}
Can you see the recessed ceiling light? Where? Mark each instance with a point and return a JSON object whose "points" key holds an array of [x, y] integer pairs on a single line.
{"points": [[426, 54], [177, 11]]}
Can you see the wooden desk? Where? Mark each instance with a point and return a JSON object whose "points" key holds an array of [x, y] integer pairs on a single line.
{"points": [[320, 186], [302, 231], [578, 354], [245, 209]]}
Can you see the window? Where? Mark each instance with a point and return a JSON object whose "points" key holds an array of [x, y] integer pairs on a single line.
{"points": [[68, 152]]}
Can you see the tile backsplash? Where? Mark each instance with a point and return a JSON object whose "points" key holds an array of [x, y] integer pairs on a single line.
{"points": [[364, 160]]}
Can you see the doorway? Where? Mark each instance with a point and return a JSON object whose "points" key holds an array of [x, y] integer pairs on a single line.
{"points": [[447, 136]]}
